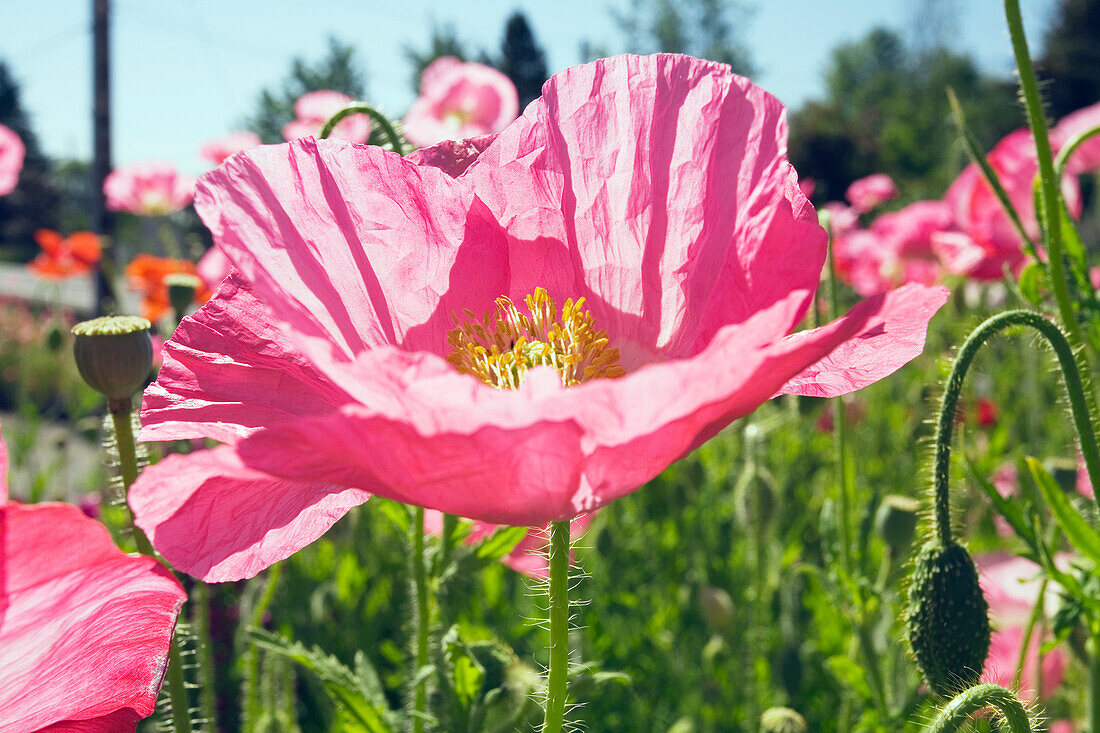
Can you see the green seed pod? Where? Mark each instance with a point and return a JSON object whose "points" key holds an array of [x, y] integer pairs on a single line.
{"points": [[782, 720], [947, 620], [717, 607], [114, 354], [896, 520], [181, 290]]}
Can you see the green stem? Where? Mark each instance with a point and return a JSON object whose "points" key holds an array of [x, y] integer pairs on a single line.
{"points": [[1070, 147], [871, 660], [362, 108], [1093, 648], [1029, 86], [968, 702], [420, 580], [559, 628], [200, 610], [1080, 400], [177, 689], [840, 438], [450, 523], [1036, 612], [252, 661]]}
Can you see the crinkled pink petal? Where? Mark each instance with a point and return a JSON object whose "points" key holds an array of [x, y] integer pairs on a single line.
{"points": [[218, 149], [213, 267], [84, 628], [217, 519], [228, 371], [11, 159], [147, 189], [1086, 159], [452, 157], [870, 191], [460, 100], [889, 340], [529, 556]]}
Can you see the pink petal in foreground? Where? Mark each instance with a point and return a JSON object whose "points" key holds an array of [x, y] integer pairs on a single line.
{"points": [[890, 340], [216, 519], [84, 628]]}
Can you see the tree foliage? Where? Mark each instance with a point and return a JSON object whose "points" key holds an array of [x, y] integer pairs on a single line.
{"points": [[338, 70], [522, 58], [709, 29], [886, 111], [1071, 56]]}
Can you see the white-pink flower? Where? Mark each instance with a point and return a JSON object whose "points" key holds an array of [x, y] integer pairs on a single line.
{"points": [[219, 149], [460, 100], [313, 110], [11, 159], [148, 189], [867, 193]]}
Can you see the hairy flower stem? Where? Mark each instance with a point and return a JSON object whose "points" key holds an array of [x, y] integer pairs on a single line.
{"points": [[1081, 403], [362, 108], [968, 702], [420, 580], [840, 435], [1052, 215], [1093, 648], [201, 623], [252, 661], [121, 420], [559, 628]]}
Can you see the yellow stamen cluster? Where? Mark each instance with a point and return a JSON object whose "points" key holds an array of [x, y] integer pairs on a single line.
{"points": [[501, 348]]}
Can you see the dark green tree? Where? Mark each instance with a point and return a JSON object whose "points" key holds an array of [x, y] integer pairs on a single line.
{"points": [[522, 59], [1071, 56], [710, 29], [886, 111], [339, 70], [443, 42], [34, 202]]}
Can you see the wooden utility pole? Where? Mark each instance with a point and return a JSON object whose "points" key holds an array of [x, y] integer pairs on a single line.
{"points": [[103, 222]]}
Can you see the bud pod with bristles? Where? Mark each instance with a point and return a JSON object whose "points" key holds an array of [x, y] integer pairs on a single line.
{"points": [[947, 619], [114, 354]]}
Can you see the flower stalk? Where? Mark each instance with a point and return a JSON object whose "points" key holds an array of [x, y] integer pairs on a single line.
{"points": [[362, 108], [420, 581], [966, 703], [559, 628]]}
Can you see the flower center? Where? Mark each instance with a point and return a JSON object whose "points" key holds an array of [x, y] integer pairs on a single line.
{"points": [[507, 343]]}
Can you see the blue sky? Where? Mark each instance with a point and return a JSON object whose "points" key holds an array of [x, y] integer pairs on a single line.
{"points": [[188, 70]]}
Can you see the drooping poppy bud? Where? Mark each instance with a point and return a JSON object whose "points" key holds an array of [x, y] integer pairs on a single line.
{"points": [[896, 520], [182, 287], [114, 355], [782, 720], [947, 621]]}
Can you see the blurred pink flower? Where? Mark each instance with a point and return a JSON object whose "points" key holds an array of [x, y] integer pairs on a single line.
{"points": [[1012, 586], [218, 149], [808, 186], [870, 191], [313, 109], [11, 159], [460, 100], [1062, 726], [148, 189], [1084, 485], [213, 267], [656, 188], [987, 240], [529, 556], [1086, 159]]}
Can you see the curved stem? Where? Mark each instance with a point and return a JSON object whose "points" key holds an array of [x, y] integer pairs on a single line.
{"points": [[420, 696], [559, 628], [1080, 401], [1062, 159], [1029, 85], [362, 108], [968, 702]]}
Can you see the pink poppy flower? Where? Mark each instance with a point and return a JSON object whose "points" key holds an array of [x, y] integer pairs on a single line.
{"points": [[218, 149], [331, 365], [527, 557], [990, 240], [148, 189], [460, 100], [314, 109], [213, 267], [11, 159], [870, 191], [808, 186], [1086, 159], [1011, 586]]}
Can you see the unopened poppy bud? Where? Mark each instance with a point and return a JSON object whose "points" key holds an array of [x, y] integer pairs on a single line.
{"points": [[947, 620], [114, 354], [896, 521], [181, 290], [717, 607], [782, 720]]}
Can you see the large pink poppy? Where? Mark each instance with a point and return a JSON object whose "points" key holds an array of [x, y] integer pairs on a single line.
{"points": [[148, 189], [460, 100], [870, 191], [312, 111], [991, 241], [84, 628], [218, 149], [656, 188], [11, 159]]}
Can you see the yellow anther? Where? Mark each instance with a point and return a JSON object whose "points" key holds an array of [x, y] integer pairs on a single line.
{"points": [[507, 343]]}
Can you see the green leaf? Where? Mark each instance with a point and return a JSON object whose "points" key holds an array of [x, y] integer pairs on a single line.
{"points": [[358, 698], [1079, 532], [850, 673], [501, 542], [468, 677], [1030, 278]]}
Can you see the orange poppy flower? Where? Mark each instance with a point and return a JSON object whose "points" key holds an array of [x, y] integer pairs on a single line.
{"points": [[62, 257], [146, 274]]}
